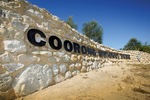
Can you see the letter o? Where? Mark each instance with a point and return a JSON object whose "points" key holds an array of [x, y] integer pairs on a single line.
{"points": [[52, 44], [66, 44]]}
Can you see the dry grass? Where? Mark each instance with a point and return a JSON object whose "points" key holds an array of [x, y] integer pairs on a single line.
{"points": [[128, 79], [141, 70], [140, 90]]}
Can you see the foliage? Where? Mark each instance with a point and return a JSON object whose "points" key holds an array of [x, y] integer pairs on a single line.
{"points": [[135, 44], [145, 48], [93, 30], [71, 22]]}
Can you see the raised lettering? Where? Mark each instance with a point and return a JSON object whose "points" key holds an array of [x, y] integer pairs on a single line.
{"points": [[83, 49], [52, 43], [31, 37], [76, 47], [68, 45]]}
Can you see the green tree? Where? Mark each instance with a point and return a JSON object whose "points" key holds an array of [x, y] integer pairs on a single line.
{"points": [[71, 22], [133, 44], [145, 48], [93, 30]]}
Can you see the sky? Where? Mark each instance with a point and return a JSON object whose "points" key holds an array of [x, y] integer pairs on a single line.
{"points": [[121, 20]]}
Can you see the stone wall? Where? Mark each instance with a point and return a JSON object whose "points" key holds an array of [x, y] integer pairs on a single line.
{"points": [[25, 67], [138, 57]]}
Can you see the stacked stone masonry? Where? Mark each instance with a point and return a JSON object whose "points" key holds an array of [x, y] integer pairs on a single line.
{"points": [[26, 68]]}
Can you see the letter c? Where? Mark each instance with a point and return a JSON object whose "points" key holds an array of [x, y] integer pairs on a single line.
{"points": [[31, 37]]}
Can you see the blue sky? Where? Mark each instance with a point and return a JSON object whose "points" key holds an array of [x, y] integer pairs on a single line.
{"points": [[121, 19]]}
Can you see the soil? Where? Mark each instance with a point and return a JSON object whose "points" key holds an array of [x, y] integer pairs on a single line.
{"points": [[112, 82]]}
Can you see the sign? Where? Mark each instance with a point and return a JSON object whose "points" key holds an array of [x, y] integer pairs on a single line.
{"points": [[56, 44]]}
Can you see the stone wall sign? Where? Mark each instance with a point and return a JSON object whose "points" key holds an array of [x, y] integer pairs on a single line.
{"points": [[38, 50]]}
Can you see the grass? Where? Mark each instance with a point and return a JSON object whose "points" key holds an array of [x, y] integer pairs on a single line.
{"points": [[141, 70], [140, 90]]}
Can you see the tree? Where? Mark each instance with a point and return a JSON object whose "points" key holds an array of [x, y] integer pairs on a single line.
{"points": [[93, 30], [71, 23], [145, 48], [133, 44]]}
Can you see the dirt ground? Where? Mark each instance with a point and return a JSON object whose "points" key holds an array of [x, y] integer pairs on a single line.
{"points": [[115, 82]]}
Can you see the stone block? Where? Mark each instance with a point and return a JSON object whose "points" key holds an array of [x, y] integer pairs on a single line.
{"points": [[1, 44], [52, 59], [35, 13], [8, 95], [71, 67], [14, 46], [84, 63], [19, 26], [55, 69], [45, 53], [7, 58], [62, 68], [74, 73], [59, 78], [5, 82], [33, 78], [2, 70], [78, 66], [11, 67], [59, 54], [68, 75], [84, 69], [66, 58], [73, 57], [24, 58], [27, 19]]}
